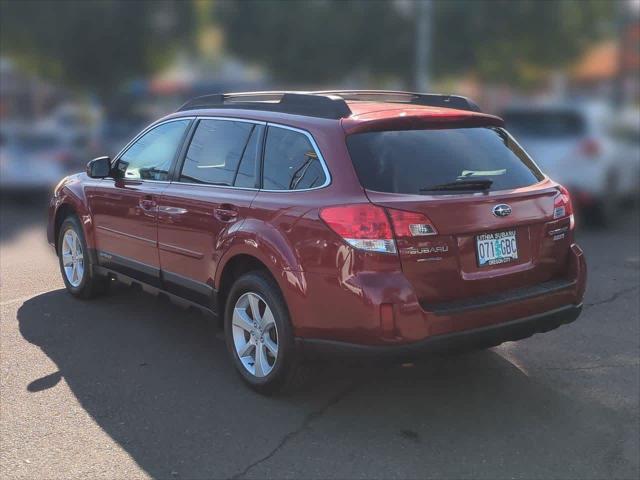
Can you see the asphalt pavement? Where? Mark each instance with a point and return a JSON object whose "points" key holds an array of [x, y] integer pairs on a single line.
{"points": [[131, 386]]}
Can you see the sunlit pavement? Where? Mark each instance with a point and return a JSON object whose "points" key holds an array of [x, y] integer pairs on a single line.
{"points": [[130, 386]]}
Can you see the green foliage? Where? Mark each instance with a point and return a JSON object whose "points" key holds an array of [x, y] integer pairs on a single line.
{"points": [[92, 44], [98, 44], [506, 39], [319, 41], [323, 41]]}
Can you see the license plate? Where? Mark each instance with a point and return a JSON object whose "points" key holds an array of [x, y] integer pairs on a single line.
{"points": [[496, 248]]}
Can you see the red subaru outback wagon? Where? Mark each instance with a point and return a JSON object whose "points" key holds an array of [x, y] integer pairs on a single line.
{"points": [[382, 223]]}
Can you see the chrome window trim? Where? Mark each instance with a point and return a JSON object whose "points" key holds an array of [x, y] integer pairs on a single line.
{"points": [[177, 182], [228, 119], [146, 129], [312, 140], [231, 119]]}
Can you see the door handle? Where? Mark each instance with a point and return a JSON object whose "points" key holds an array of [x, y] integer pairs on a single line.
{"points": [[172, 210], [226, 213], [147, 202]]}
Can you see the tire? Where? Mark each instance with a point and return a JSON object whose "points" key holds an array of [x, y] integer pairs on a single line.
{"points": [[605, 212], [76, 268], [282, 372]]}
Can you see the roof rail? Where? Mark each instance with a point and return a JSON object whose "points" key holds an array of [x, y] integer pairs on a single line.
{"points": [[324, 104], [392, 96], [297, 103]]}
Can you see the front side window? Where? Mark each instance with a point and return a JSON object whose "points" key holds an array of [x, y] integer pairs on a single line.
{"points": [[222, 152], [150, 157], [290, 161]]}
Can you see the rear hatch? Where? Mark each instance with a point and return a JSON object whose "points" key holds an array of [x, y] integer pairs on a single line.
{"points": [[481, 214]]}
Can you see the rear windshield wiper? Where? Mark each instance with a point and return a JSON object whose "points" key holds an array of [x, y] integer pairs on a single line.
{"points": [[464, 184]]}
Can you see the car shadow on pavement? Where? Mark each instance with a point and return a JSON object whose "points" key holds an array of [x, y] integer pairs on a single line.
{"points": [[156, 378]]}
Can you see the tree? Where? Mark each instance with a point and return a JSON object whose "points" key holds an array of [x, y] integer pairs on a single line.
{"points": [[314, 42], [322, 41], [94, 44], [513, 40]]}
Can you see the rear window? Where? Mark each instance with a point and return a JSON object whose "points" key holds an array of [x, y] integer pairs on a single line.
{"points": [[545, 124], [415, 161]]}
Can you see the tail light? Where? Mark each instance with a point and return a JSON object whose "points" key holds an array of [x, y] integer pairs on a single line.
{"points": [[367, 226], [363, 226], [589, 147], [411, 224], [562, 206]]}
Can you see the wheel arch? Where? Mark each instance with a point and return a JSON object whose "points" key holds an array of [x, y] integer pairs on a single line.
{"points": [[65, 210], [234, 267], [69, 205], [290, 283]]}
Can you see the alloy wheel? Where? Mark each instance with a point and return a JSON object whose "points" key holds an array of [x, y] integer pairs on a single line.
{"points": [[72, 258], [255, 334]]}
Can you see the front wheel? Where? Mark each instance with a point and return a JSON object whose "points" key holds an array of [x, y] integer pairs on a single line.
{"points": [[259, 336], [76, 268]]}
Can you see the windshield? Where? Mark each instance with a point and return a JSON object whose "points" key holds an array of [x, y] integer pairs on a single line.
{"points": [[441, 161], [555, 124]]}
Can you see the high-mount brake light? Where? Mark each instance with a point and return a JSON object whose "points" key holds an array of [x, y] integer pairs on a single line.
{"points": [[562, 206], [410, 224], [363, 226]]}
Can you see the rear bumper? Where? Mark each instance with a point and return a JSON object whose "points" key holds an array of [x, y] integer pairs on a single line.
{"points": [[483, 337], [382, 310]]}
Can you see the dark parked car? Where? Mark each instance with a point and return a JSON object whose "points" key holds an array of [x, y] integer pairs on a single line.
{"points": [[383, 223]]}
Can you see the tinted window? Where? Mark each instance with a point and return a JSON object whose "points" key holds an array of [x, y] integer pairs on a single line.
{"points": [[150, 157], [545, 124], [290, 161], [215, 151], [246, 176], [413, 161]]}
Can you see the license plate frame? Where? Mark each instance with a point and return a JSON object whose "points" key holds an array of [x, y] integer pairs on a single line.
{"points": [[496, 248]]}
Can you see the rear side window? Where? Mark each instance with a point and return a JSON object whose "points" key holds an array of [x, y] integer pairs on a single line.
{"points": [[222, 152], [545, 124], [416, 161], [290, 161]]}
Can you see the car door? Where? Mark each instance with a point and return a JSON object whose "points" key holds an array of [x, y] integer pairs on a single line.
{"points": [[207, 201], [125, 207]]}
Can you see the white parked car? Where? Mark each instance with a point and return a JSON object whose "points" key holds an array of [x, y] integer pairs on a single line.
{"points": [[32, 160], [578, 146]]}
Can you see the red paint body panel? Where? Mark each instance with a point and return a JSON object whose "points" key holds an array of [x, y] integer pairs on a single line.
{"points": [[332, 290], [126, 215], [191, 236]]}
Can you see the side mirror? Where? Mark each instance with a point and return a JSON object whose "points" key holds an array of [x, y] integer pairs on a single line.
{"points": [[99, 167]]}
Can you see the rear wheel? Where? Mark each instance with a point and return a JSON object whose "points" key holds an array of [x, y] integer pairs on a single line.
{"points": [[76, 268], [259, 336]]}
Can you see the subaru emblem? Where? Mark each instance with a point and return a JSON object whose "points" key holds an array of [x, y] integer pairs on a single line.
{"points": [[502, 210]]}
